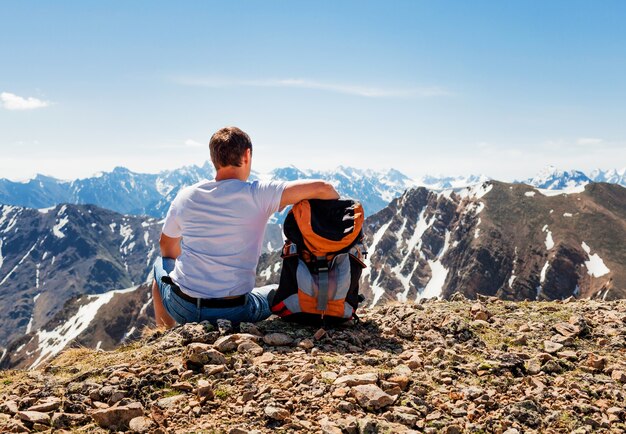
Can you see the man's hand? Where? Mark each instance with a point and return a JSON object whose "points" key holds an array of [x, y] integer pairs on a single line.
{"points": [[170, 247], [307, 189]]}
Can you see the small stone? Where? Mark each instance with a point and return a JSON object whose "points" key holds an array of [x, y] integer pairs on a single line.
{"points": [[570, 355], [355, 380], [560, 339], [520, 340], [210, 370], [9, 407], [225, 326], [307, 344], [452, 429], [169, 402], [15, 426], [247, 327], [401, 380], [479, 312], [278, 339], [372, 397], [64, 420], [619, 376], [249, 347], [34, 417], [186, 375], [203, 354], [305, 378], [183, 386], [329, 376], [595, 362], [49, 404], [276, 413], [567, 329], [115, 418], [552, 347], [319, 334], [264, 359], [551, 366], [141, 424], [204, 389]]}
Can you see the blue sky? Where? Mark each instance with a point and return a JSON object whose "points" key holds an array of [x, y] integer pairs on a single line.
{"points": [[450, 87]]}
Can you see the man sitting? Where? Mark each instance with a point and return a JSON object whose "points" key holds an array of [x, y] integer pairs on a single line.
{"points": [[212, 238]]}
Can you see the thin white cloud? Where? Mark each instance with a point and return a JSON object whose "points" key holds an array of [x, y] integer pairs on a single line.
{"points": [[347, 89], [10, 101], [195, 144], [589, 141]]}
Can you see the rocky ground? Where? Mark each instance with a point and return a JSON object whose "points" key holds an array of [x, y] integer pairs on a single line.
{"points": [[438, 366]]}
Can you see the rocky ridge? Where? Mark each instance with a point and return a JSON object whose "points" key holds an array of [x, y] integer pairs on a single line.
{"points": [[456, 366]]}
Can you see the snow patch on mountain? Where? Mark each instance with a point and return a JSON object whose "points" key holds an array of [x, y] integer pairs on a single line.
{"points": [[595, 265], [376, 289], [56, 229], [439, 273], [568, 190], [53, 341], [18, 264], [476, 191], [415, 241], [549, 240]]}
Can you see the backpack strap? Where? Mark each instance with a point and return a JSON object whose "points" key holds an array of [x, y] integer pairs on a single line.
{"points": [[322, 270], [359, 253]]}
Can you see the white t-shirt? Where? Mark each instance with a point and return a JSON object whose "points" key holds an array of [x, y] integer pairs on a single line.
{"points": [[222, 224]]}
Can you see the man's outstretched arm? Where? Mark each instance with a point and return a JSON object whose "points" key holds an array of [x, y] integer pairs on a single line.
{"points": [[295, 191]]}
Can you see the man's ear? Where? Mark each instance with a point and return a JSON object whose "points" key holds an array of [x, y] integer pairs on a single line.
{"points": [[247, 156]]}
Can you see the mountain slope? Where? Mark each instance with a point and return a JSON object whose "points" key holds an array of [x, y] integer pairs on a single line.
{"points": [[501, 239], [506, 240], [49, 256], [100, 321]]}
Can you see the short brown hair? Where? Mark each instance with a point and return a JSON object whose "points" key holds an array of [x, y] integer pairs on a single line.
{"points": [[228, 146]]}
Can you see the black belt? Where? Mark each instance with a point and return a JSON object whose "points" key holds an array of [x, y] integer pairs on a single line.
{"points": [[215, 303]]}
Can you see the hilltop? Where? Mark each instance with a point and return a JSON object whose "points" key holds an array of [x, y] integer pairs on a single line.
{"points": [[434, 366]]}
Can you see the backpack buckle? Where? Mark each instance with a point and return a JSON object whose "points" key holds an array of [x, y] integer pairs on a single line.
{"points": [[321, 264]]}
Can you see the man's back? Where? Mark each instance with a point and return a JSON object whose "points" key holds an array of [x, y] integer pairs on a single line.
{"points": [[222, 224]]}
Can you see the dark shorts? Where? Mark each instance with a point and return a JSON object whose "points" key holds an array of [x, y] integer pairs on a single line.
{"points": [[256, 308]]}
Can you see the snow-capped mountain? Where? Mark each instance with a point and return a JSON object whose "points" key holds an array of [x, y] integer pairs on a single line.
{"points": [[511, 241], [551, 178], [134, 193], [49, 256], [120, 190], [450, 182], [612, 176]]}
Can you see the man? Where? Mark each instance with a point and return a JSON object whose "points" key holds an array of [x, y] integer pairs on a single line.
{"points": [[212, 238]]}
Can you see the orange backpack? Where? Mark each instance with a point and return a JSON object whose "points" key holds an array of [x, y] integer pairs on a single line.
{"points": [[323, 258]]}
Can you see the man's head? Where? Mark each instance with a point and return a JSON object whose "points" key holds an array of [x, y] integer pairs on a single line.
{"points": [[231, 148]]}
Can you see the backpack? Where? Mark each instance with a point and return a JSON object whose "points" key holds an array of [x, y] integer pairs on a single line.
{"points": [[323, 257]]}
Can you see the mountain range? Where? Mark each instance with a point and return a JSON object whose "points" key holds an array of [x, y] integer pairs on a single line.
{"points": [[562, 235], [134, 193], [551, 178], [128, 192]]}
